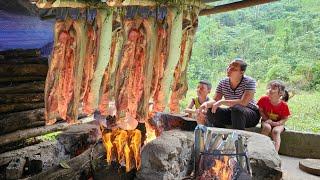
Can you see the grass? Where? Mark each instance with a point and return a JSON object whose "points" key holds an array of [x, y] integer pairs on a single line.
{"points": [[304, 107]]}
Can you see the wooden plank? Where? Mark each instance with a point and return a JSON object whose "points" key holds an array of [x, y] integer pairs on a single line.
{"points": [[9, 70], [21, 98], [34, 132], [19, 60], [15, 79], [233, 6], [29, 87], [20, 53], [16, 107], [21, 120]]}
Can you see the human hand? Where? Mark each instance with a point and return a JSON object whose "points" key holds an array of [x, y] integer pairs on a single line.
{"points": [[215, 106], [203, 108], [200, 117], [274, 124], [269, 121]]}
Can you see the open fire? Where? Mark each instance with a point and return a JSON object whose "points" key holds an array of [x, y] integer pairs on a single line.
{"points": [[220, 156], [123, 146]]}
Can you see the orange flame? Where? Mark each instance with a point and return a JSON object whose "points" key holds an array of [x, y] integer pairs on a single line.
{"points": [[123, 146], [150, 133], [222, 169]]}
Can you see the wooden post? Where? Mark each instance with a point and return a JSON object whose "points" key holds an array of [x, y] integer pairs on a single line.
{"points": [[233, 6]]}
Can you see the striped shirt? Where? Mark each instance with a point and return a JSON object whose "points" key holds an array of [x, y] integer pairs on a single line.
{"points": [[246, 83]]}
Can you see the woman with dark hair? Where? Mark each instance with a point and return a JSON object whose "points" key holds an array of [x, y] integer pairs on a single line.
{"points": [[236, 92]]}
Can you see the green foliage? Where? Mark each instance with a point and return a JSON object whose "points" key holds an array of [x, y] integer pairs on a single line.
{"points": [[278, 40], [50, 137]]}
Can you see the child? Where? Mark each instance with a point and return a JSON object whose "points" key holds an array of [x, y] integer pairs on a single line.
{"points": [[274, 111], [203, 89]]}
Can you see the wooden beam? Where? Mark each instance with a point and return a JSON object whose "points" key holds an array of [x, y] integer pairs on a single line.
{"points": [[34, 132], [233, 6]]}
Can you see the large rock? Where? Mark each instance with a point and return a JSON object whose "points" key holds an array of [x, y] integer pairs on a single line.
{"points": [[169, 156]]}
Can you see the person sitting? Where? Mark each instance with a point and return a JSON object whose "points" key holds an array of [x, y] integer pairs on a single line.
{"points": [[274, 111], [238, 91], [203, 89]]}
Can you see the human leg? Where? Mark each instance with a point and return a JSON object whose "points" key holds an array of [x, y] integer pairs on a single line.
{"points": [[242, 117], [266, 128], [276, 131], [219, 119]]}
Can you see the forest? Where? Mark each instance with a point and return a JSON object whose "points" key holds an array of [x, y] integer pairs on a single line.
{"points": [[279, 40]]}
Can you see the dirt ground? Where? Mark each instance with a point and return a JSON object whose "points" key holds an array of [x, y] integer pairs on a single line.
{"points": [[290, 167]]}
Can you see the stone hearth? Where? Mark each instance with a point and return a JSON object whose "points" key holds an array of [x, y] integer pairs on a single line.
{"points": [[170, 156]]}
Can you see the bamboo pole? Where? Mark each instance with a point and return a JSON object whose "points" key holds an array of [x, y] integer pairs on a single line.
{"points": [[233, 6], [104, 18]]}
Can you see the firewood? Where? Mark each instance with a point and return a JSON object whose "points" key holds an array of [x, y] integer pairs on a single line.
{"points": [[21, 98], [20, 53], [80, 166], [16, 107], [30, 87], [21, 120], [5, 81], [8, 70], [29, 60], [34, 132]]}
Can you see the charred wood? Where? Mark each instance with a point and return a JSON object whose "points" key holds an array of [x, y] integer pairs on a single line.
{"points": [[29, 60], [16, 107], [27, 87], [21, 98], [29, 133], [30, 87], [18, 53], [80, 166], [21, 120], [7, 81], [9, 70]]}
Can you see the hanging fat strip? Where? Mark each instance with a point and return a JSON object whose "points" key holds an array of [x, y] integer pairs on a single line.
{"points": [[104, 22], [62, 90], [93, 34], [180, 83], [107, 96], [162, 93]]}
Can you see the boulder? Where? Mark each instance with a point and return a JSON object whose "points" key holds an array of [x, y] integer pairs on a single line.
{"points": [[169, 156]]}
